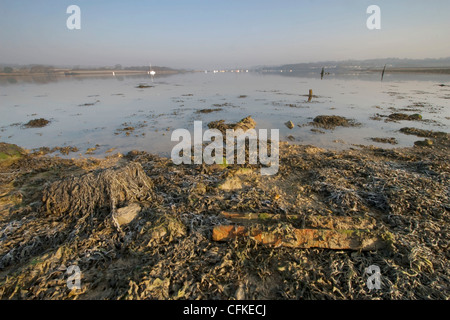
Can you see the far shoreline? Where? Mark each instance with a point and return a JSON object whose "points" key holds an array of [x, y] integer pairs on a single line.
{"points": [[69, 72], [437, 70]]}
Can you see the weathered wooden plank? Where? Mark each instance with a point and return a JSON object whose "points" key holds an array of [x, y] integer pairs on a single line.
{"points": [[320, 222], [304, 238]]}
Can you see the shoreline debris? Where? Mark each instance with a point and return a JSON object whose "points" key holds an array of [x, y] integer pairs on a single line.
{"points": [[303, 238], [335, 233]]}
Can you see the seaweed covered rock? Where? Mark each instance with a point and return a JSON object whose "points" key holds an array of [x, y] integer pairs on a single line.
{"points": [[424, 133], [37, 123], [331, 122], [8, 151], [244, 124], [403, 116], [102, 190]]}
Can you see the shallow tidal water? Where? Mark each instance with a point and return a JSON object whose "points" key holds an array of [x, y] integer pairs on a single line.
{"points": [[86, 112]]}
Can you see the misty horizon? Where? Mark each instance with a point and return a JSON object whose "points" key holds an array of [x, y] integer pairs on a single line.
{"points": [[414, 63]]}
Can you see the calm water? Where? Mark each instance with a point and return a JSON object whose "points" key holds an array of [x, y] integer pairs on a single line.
{"points": [[174, 102]]}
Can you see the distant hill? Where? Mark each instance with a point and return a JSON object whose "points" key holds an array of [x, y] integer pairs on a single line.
{"points": [[359, 65]]}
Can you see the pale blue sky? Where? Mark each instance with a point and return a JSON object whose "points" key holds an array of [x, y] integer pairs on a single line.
{"points": [[209, 34]]}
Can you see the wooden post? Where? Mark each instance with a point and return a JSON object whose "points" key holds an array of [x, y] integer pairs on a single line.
{"points": [[310, 95]]}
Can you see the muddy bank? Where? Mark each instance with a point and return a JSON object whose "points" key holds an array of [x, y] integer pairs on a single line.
{"points": [[55, 213]]}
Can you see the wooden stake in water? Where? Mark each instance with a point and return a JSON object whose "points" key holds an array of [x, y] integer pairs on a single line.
{"points": [[310, 95], [382, 73]]}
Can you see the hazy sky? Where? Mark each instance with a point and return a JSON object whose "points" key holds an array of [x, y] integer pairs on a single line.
{"points": [[214, 34]]}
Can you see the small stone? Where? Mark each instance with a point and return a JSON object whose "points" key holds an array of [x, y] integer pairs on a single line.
{"points": [[290, 125], [126, 214]]}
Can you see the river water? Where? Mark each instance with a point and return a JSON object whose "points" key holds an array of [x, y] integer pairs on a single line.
{"points": [[93, 111]]}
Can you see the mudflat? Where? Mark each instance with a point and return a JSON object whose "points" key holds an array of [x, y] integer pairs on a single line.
{"points": [[140, 227]]}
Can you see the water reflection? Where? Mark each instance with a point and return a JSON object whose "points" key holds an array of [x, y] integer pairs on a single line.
{"points": [[50, 78]]}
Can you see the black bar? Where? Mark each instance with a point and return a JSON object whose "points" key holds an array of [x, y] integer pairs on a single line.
{"points": [[165, 310]]}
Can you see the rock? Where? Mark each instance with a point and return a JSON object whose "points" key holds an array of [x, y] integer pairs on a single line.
{"points": [[91, 150], [385, 140], [208, 110], [290, 124], [424, 143], [423, 133], [403, 116], [126, 214], [37, 123], [330, 122], [245, 124], [8, 151]]}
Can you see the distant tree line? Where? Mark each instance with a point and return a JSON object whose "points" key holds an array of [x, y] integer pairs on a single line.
{"points": [[29, 69]]}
